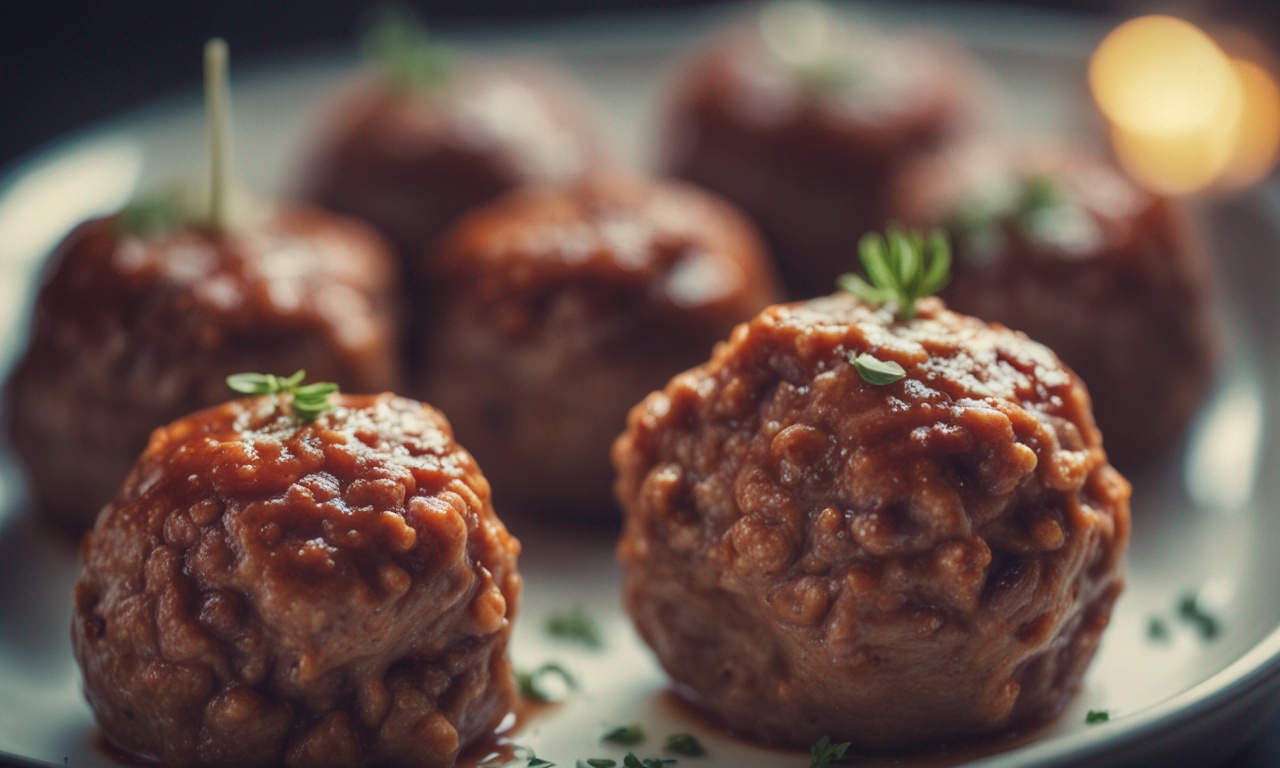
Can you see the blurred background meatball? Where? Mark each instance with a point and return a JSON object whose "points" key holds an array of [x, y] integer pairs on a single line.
{"points": [[561, 307], [802, 120], [267, 592], [929, 557], [1055, 243], [138, 323], [410, 151]]}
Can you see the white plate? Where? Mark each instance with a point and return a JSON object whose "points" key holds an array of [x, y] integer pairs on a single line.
{"points": [[1205, 522]]}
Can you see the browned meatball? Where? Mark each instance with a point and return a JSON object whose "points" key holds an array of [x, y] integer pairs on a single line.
{"points": [[563, 306], [812, 555], [804, 135], [1054, 243], [132, 331], [265, 592], [410, 162]]}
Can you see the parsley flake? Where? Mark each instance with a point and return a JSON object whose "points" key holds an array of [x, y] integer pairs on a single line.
{"points": [[875, 371], [684, 744], [624, 735], [1157, 629], [597, 762], [1190, 611], [575, 626], [1096, 716], [533, 684], [631, 761]]}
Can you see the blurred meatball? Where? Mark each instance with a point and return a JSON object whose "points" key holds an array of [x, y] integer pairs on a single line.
{"points": [[134, 330], [1055, 243], [561, 307], [263, 592], [893, 565], [801, 121], [411, 161]]}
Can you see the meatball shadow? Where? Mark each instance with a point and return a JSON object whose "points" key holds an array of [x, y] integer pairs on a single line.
{"points": [[37, 573]]}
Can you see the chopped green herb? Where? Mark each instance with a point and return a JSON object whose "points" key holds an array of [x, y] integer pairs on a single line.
{"points": [[533, 685], [1038, 192], [902, 267], [684, 744], [398, 42], [307, 400], [575, 626], [1190, 611], [1157, 629], [537, 762], [1096, 716], [631, 761], [875, 371], [825, 753], [624, 735], [597, 762]]}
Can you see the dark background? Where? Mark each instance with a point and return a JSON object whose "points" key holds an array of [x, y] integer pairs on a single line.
{"points": [[65, 64]]}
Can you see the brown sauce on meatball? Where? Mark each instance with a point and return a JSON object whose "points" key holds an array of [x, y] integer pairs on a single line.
{"points": [[131, 332], [896, 566], [1055, 243], [562, 306], [262, 592]]}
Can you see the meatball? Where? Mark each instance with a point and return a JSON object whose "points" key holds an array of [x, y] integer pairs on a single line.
{"points": [[1054, 243], [410, 162], [265, 592], [809, 554], [805, 134], [133, 330], [562, 307]]}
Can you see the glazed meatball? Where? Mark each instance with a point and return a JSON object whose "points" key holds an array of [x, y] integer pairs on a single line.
{"points": [[803, 129], [266, 592], [809, 554], [1055, 243], [411, 161], [133, 330], [562, 307]]}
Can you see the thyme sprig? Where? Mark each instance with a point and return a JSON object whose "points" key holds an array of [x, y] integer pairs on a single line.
{"points": [[307, 401], [902, 266], [411, 60]]}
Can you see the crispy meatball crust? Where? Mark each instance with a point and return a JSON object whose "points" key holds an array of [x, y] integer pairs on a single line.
{"points": [[563, 306], [265, 593], [1109, 278], [810, 555], [811, 165], [133, 332]]}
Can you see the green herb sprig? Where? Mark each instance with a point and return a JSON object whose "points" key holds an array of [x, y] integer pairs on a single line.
{"points": [[532, 684], [307, 401], [824, 753], [1096, 716], [902, 266], [153, 213], [398, 42], [575, 626]]}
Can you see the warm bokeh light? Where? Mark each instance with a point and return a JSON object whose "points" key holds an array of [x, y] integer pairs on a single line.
{"points": [[1257, 143], [1160, 75], [1184, 116]]}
